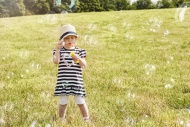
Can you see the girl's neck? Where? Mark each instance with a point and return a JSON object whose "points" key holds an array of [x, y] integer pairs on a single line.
{"points": [[73, 47]]}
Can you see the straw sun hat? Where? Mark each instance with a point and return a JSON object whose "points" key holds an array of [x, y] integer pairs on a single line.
{"points": [[67, 30]]}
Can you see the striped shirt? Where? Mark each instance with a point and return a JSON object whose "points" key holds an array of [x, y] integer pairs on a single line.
{"points": [[69, 78]]}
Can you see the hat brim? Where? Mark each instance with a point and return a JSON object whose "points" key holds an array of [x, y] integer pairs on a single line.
{"points": [[67, 34], [70, 34]]}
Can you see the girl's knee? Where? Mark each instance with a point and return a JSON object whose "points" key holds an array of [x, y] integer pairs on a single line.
{"points": [[79, 100], [64, 100]]}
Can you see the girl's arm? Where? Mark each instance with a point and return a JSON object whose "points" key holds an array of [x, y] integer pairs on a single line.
{"points": [[82, 62], [56, 57]]}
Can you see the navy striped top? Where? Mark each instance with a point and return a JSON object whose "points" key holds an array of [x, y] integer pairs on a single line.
{"points": [[69, 77]]}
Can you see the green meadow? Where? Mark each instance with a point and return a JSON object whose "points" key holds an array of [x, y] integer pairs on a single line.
{"points": [[137, 74]]}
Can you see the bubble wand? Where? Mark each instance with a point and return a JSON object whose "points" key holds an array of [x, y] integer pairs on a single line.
{"points": [[72, 55]]}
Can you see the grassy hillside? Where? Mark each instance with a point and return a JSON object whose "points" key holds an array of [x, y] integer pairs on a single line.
{"points": [[138, 70]]}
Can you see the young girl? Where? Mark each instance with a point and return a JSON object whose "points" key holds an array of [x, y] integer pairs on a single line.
{"points": [[71, 60]]}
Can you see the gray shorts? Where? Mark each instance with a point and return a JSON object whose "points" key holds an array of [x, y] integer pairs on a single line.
{"points": [[65, 100]]}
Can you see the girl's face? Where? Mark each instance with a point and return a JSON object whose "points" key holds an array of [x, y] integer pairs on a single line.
{"points": [[70, 41]]}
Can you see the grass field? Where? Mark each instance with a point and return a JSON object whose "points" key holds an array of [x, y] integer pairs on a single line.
{"points": [[138, 71]]}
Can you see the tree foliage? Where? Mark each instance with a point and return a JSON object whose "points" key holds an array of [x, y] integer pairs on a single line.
{"points": [[166, 4], [122, 5], [30, 7], [143, 4], [41, 7], [12, 7], [90, 5]]}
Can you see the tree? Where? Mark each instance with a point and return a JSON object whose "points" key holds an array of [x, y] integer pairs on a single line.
{"points": [[108, 5], [166, 4], [133, 6], [90, 5], [41, 7], [77, 6], [3, 10], [143, 4], [29, 5], [177, 3], [51, 3], [122, 4], [13, 7]]}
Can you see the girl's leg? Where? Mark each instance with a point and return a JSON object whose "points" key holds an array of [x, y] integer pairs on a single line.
{"points": [[80, 101], [84, 110], [62, 111], [63, 106]]}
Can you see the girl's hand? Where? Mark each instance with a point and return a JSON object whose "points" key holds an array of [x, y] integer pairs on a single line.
{"points": [[59, 45], [76, 58]]}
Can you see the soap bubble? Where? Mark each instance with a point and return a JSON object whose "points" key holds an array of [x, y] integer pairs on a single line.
{"points": [[130, 95], [181, 122], [2, 85], [187, 124], [129, 36], [3, 58], [112, 28], [124, 23], [168, 86], [127, 25], [180, 14], [129, 121], [24, 54], [33, 123], [30, 97], [6, 56], [188, 110], [117, 81], [154, 23], [170, 59], [170, 83], [153, 30], [90, 40], [9, 106], [49, 18], [38, 66], [64, 12], [120, 102], [145, 116], [9, 75], [35, 66], [85, 37], [44, 95], [1, 112], [166, 32], [48, 125], [149, 68], [26, 70], [2, 122], [23, 73], [26, 109], [159, 5], [92, 26]]}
